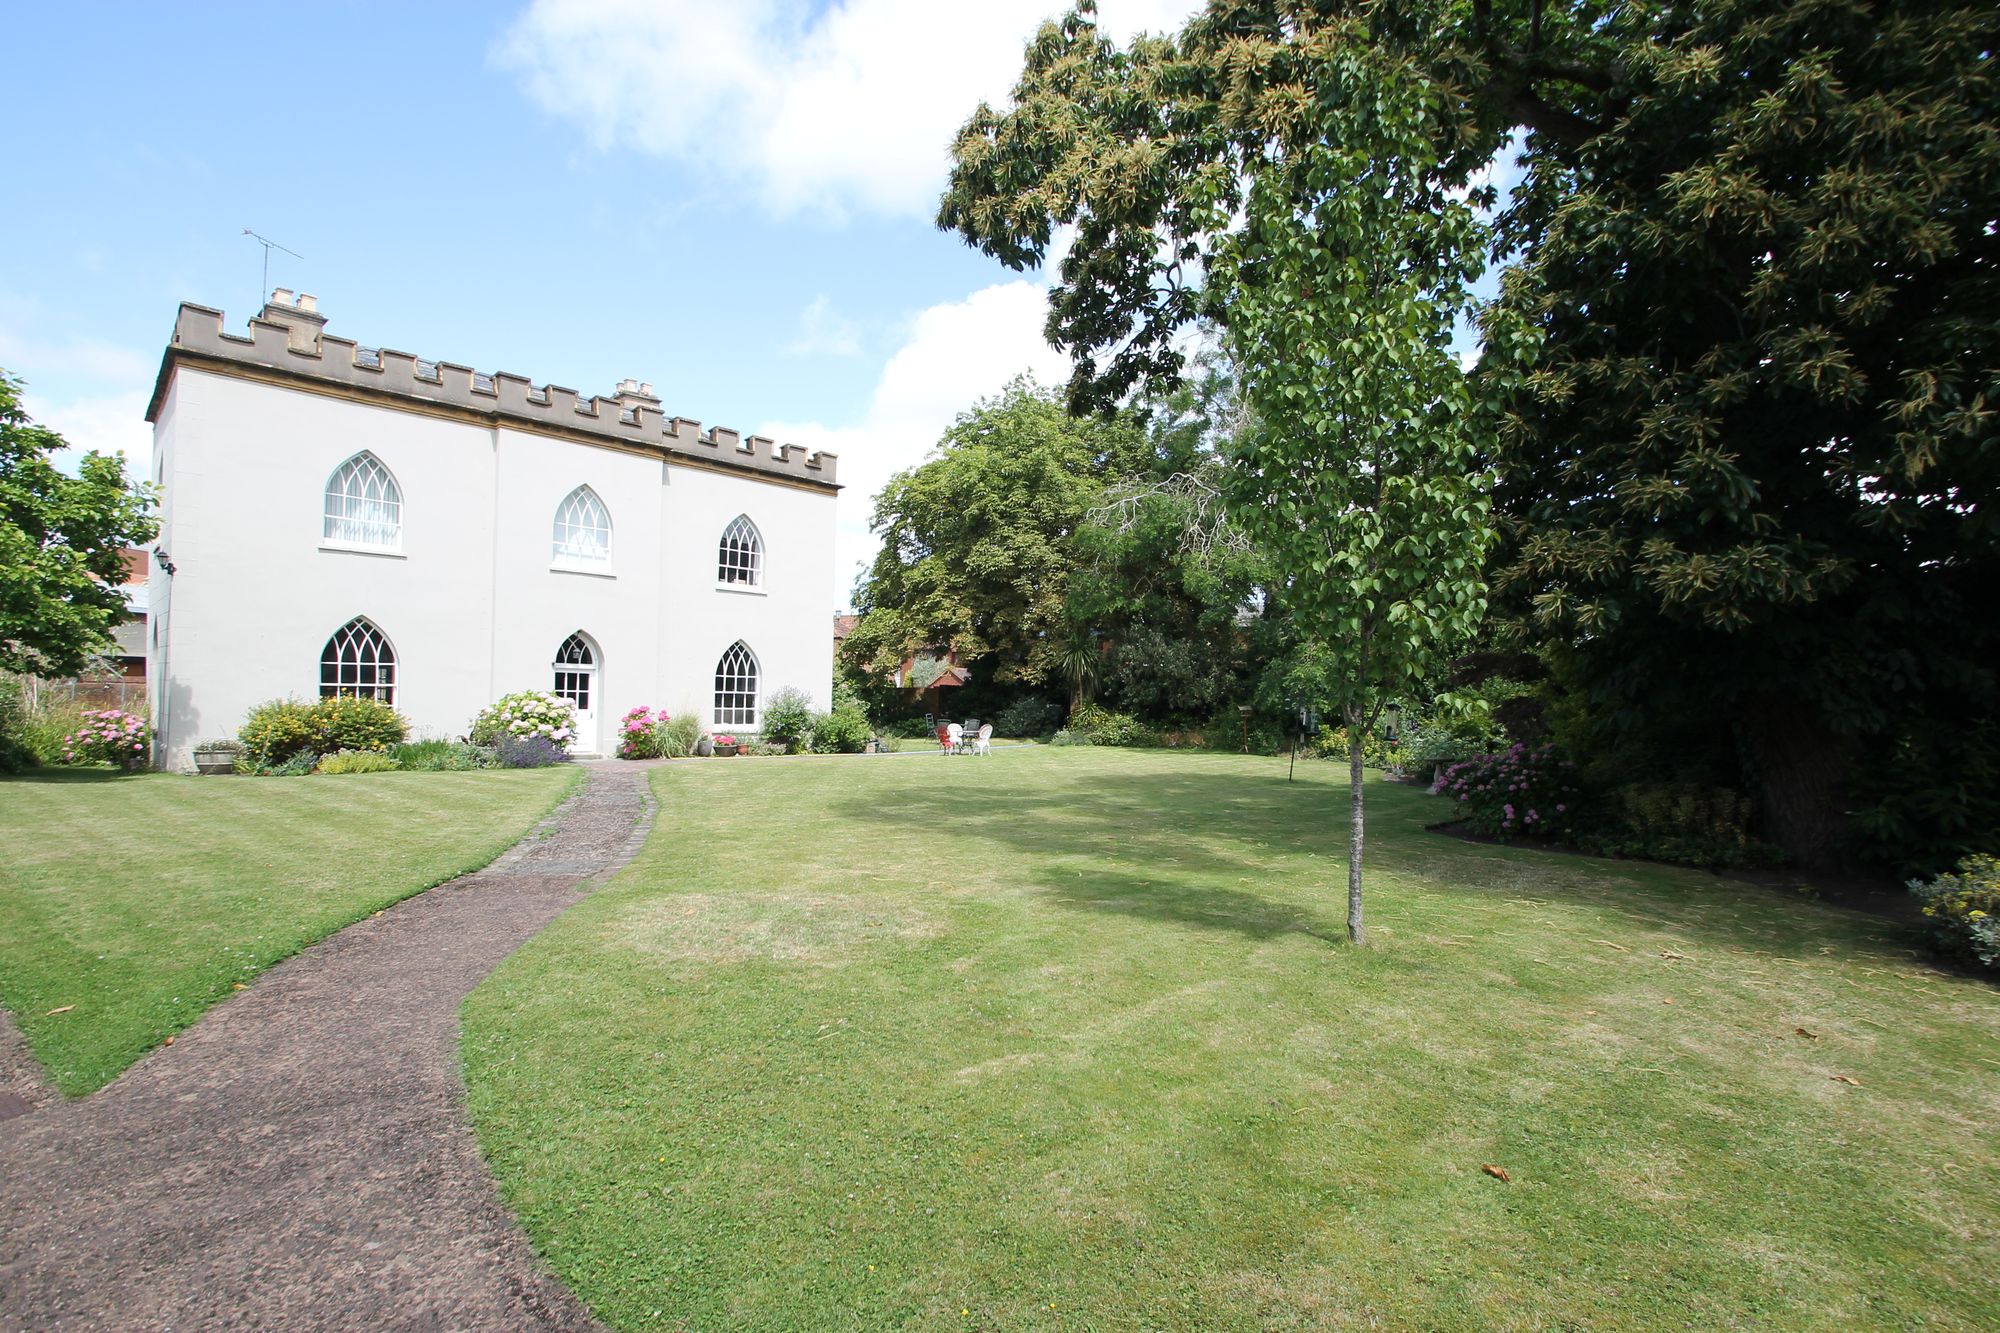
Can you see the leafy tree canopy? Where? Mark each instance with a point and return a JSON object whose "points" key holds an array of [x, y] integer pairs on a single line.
{"points": [[62, 543], [976, 542], [1758, 246]]}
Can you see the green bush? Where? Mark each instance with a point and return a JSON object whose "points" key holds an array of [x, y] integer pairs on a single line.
{"points": [[47, 724], [275, 731], [299, 765], [679, 735], [1108, 728], [912, 729], [787, 719], [1685, 823], [14, 752], [440, 757], [1067, 737], [523, 714], [281, 728], [351, 723], [1028, 716], [1963, 910], [357, 761], [843, 731], [1518, 793]]}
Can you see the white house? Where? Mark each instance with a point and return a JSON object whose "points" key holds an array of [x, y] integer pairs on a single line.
{"points": [[336, 518]]}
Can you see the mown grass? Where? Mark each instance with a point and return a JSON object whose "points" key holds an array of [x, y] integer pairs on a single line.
{"points": [[131, 904], [1070, 1039]]}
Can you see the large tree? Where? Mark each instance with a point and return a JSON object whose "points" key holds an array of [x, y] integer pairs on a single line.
{"points": [[976, 543], [62, 544], [1753, 480]]}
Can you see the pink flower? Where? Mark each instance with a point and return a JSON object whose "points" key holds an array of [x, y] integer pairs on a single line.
{"points": [[1509, 809]]}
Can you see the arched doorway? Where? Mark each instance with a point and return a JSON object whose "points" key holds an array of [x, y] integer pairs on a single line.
{"points": [[576, 670]]}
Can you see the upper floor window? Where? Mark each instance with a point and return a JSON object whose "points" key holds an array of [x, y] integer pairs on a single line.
{"points": [[583, 529], [358, 662], [740, 557], [364, 506]]}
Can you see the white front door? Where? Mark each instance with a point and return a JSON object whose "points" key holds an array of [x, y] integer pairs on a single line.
{"points": [[576, 680]]}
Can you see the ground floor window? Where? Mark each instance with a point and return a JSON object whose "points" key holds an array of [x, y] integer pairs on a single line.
{"points": [[358, 663], [576, 669], [736, 688]]}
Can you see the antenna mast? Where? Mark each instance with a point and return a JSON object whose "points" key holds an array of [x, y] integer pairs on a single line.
{"points": [[264, 291]]}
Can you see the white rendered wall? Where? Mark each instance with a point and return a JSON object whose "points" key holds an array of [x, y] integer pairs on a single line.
{"points": [[471, 604]]}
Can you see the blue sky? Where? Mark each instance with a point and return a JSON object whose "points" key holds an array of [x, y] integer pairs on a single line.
{"points": [[733, 201]]}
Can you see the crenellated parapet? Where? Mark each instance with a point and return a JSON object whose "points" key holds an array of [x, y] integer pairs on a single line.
{"points": [[289, 338]]}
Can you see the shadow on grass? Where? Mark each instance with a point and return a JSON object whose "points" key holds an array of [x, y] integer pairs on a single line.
{"points": [[1202, 825], [58, 776]]}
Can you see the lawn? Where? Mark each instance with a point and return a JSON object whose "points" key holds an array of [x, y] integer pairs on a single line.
{"points": [[131, 904], [1071, 1039]]}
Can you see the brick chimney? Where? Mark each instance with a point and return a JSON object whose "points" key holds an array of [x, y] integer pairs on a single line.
{"points": [[298, 314]]}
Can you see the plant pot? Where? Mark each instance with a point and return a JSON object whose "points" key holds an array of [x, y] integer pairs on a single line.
{"points": [[213, 762], [725, 751]]}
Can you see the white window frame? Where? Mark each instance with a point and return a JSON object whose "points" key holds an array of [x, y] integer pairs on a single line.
{"points": [[729, 676], [580, 517], [378, 660], [740, 539], [571, 676], [362, 483]]}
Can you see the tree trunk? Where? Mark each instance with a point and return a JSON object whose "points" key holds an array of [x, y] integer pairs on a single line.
{"points": [[1801, 770], [1355, 930]]}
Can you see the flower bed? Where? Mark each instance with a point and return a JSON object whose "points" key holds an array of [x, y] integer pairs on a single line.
{"points": [[109, 736]]}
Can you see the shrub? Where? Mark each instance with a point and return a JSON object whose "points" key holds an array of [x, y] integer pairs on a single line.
{"points": [[535, 751], [440, 757], [275, 731], [843, 731], [679, 737], [15, 754], [641, 735], [1068, 737], [788, 718], [526, 713], [350, 722], [1028, 716], [914, 729], [297, 766], [1107, 728], [109, 736], [1518, 793], [1331, 743], [357, 761], [1962, 909], [1683, 822], [46, 724], [1428, 746]]}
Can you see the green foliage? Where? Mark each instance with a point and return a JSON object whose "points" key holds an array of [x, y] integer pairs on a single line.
{"points": [[843, 731], [1681, 823], [348, 722], [1097, 725], [787, 718], [281, 728], [299, 764], [1963, 910], [912, 728], [440, 756], [1029, 715], [680, 735], [1161, 675], [358, 761], [62, 544], [976, 550], [15, 752], [277, 730]]}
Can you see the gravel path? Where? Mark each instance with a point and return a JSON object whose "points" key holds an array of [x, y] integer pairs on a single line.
{"points": [[301, 1157]]}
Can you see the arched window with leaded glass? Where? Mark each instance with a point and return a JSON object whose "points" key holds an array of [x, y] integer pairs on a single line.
{"points": [[740, 555], [364, 505], [358, 662], [583, 529], [736, 688]]}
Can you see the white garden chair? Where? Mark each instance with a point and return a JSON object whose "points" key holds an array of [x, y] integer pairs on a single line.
{"points": [[954, 739], [983, 742]]}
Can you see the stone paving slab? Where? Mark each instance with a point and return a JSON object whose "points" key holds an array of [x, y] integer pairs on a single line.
{"points": [[301, 1158]]}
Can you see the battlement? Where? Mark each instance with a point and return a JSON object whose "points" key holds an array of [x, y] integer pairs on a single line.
{"points": [[288, 337]]}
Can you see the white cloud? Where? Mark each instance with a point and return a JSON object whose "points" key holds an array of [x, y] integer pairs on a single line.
{"points": [[956, 353], [824, 331], [91, 392], [852, 107], [110, 423]]}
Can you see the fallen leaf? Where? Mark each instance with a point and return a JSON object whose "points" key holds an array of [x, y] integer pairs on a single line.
{"points": [[1669, 953], [1809, 1036], [1619, 947], [1666, 999], [53, 1012], [170, 1041], [1499, 1173], [1842, 1078]]}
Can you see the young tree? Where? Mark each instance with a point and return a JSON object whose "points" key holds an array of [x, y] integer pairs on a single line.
{"points": [[62, 543]]}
